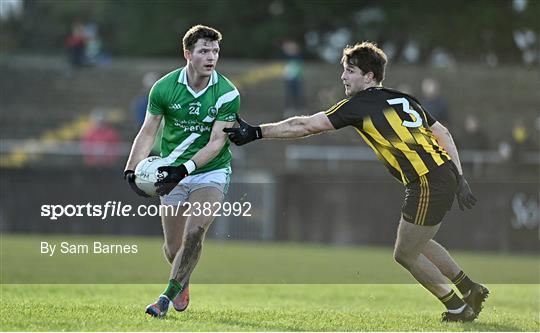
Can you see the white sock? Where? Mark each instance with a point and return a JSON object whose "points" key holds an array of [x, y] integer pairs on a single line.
{"points": [[456, 311]]}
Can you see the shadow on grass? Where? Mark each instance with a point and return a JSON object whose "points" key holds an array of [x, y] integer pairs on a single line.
{"points": [[240, 321], [235, 323], [253, 325], [257, 325], [489, 327]]}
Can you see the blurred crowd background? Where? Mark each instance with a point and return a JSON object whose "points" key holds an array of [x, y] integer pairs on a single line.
{"points": [[75, 77]]}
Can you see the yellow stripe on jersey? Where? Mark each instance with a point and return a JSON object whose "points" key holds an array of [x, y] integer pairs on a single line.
{"points": [[335, 107], [421, 139], [435, 142], [396, 122], [369, 143], [386, 154], [428, 134], [397, 125]]}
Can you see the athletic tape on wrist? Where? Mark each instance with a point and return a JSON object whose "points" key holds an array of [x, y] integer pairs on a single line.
{"points": [[190, 166]]}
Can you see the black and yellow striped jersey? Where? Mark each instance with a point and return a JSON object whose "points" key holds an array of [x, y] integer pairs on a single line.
{"points": [[396, 127]]}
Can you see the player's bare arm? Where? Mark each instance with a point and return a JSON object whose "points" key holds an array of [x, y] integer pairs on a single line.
{"points": [[142, 145], [447, 142], [144, 141], [218, 138], [464, 195], [291, 128], [297, 127]]}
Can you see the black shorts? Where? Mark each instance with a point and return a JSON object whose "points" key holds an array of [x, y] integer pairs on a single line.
{"points": [[428, 198]]}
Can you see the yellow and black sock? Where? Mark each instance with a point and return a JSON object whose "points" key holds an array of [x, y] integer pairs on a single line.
{"points": [[452, 301], [463, 283]]}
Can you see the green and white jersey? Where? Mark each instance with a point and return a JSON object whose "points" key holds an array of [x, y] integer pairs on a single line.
{"points": [[189, 116]]}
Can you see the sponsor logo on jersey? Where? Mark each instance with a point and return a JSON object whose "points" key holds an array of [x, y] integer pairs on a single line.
{"points": [[175, 106], [231, 117], [192, 126], [212, 111]]}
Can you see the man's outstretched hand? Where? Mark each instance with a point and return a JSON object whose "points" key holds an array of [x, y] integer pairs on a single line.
{"points": [[243, 134], [464, 195]]}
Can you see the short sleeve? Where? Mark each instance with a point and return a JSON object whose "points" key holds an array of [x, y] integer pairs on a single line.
{"points": [[429, 118], [228, 106], [155, 103], [342, 114], [417, 106]]}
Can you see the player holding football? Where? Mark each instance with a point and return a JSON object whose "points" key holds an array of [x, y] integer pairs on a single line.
{"points": [[196, 104], [417, 150]]}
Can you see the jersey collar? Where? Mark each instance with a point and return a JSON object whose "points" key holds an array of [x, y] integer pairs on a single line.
{"points": [[182, 78], [374, 88]]}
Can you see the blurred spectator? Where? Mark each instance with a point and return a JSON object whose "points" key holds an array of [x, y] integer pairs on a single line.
{"points": [[93, 45], [520, 135], [536, 138], [521, 139], [505, 150], [140, 102], [519, 145], [101, 143], [434, 103], [474, 137], [292, 74], [76, 44]]}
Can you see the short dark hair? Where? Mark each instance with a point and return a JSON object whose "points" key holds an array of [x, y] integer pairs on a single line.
{"points": [[197, 32], [366, 56]]}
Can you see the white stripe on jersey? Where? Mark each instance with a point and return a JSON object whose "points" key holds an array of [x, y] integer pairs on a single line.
{"points": [[181, 148], [228, 97]]}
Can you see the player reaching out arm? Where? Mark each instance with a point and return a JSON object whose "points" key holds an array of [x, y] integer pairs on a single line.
{"points": [[417, 150], [303, 126]]}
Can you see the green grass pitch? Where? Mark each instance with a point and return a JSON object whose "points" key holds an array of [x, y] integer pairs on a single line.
{"points": [[260, 301]]}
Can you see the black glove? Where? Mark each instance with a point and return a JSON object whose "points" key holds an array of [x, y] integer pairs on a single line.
{"points": [[174, 175], [464, 195], [129, 175], [243, 134]]}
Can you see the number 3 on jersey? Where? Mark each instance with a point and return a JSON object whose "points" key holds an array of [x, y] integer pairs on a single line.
{"points": [[405, 103]]}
